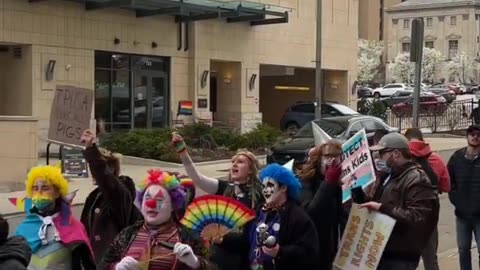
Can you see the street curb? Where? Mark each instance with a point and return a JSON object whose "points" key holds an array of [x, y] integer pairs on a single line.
{"points": [[130, 160]]}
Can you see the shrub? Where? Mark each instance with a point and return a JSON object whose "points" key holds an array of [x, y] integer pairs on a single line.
{"points": [[260, 137], [372, 107]]}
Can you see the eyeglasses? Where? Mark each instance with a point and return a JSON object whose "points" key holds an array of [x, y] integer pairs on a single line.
{"points": [[384, 151]]}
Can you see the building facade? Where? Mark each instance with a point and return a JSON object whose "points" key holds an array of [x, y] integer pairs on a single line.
{"points": [[450, 27], [143, 57], [372, 18]]}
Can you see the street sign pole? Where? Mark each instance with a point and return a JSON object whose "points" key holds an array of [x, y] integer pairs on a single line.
{"points": [[318, 63], [416, 54]]}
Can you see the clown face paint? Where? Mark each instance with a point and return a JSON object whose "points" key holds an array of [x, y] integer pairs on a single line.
{"points": [[157, 205], [272, 192], [44, 195]]}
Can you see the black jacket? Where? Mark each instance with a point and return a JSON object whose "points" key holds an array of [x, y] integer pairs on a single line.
{"points": [[14, 254], [323, 203], [298, 240], [465, 184], [109, 208]]}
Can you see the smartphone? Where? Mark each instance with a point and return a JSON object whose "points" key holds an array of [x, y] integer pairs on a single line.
{"points": [[358, 195]]}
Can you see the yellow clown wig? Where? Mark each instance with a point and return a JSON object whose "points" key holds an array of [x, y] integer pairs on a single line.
{"points": [[51, 174]]}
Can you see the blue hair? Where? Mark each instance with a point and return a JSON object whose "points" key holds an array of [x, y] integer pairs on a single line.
{"points": [[284, 177]]}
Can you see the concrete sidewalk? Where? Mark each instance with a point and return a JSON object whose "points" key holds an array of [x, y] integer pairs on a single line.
{"points": [[137, 169]]}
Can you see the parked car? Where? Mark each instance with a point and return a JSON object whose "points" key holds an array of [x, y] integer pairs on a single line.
{"points": [[457, 88], [428, 104], [301, 113], [449, 95], [364, 91], [472, 88], [397, 97], [390, 89], [340, 128]]}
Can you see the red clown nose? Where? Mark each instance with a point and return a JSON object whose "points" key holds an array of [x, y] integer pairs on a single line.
{"points": [[151, 203]]}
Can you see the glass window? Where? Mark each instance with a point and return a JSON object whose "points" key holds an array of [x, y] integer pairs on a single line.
{"points": [[429, 44], [332, 128], [304, 108], [452, 48], [121, 97], [405, 46], [356, 127], [453, 20], [344, 109], [429, 22], [369, 125], [120, 61], [102, 95], [103, 60], [406, 24], [149, 63]]}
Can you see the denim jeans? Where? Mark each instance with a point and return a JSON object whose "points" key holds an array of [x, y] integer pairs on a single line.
{"points": [[465, 228], [429, 255], [390, 264]]}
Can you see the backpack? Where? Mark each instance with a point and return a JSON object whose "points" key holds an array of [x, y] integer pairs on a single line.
{"points": [[425, 165]]}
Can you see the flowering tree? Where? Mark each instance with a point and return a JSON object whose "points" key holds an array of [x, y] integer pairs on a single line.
{"points": [[462, 66], [369, 53], [404, 70], [431, 64]]}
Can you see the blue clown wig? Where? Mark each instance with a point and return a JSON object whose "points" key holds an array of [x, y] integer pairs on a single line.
{"points": [[284, 177]]}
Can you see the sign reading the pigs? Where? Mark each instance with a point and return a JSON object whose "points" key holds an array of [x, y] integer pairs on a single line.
{"points": [[70, 114]]}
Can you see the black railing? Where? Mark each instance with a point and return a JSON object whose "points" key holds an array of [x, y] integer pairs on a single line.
{"points": [[456, 116]]}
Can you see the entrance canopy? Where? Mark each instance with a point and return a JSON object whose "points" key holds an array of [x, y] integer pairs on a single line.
{"points": [[193, 10]]}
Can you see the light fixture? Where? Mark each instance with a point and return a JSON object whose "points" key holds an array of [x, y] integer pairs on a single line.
{"points": [[135, 42], [203, 82], [116, 41], [293, 88], [154, 44], [251, 84], [50, 70]]}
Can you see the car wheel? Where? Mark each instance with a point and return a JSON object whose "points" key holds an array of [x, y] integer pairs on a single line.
{"points": [[376, 95], [292, 127]]}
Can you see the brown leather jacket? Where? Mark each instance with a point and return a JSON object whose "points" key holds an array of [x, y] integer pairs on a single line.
{"points": [[408, 197]]}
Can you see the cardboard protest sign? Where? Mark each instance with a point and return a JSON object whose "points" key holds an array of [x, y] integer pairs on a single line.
{"points": [[70, 114], [357, 165], [365, 237]]}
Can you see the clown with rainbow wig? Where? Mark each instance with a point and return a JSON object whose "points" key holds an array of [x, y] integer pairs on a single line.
{"points": [[57, 239], [282, 237], [159, 242]]}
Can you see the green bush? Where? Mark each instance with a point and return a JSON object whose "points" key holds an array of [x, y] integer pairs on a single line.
{"points": [[372, 107], [262, 136], [155, 143]]}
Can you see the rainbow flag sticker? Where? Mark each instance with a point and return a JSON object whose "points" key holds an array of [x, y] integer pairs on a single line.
{"points": [[185, 107]]}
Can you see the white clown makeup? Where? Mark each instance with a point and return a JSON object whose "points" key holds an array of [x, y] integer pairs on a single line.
{"points": [[272, 191], [156, 205]]}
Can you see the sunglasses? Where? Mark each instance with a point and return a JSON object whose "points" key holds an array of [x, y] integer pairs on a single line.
{"points": [[384, 151]]}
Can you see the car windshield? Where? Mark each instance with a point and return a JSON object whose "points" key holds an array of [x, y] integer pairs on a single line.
{"points": [[343, 109], [330, 127]]}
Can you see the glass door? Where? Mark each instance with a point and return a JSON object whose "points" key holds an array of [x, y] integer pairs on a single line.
{"points": [[150, 100]]}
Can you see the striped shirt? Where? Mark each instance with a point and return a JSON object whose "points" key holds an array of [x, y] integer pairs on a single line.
{"points": [[146, 239]]}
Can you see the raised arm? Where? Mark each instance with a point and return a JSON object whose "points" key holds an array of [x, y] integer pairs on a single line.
{"points": [[207, 184], [116, 194]]}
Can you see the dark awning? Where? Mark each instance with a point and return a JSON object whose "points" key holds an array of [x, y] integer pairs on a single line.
{"points": [[194, 10]]}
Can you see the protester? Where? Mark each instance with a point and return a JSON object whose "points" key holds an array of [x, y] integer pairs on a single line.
{"points": [[14, 251], [406, 195], [282, 237], [57, 239], [464, 170], [159, 242], [321, 197], [437, 172], [109, 208], [242, 185], [430, 162]]}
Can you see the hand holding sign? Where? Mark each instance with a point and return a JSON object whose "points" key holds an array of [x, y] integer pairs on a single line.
{"points": [[372, 206], [87, 138]]}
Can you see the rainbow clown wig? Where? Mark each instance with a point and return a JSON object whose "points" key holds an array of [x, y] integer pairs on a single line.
{"points": [[179, 190], [51, 174], [284, 177]]}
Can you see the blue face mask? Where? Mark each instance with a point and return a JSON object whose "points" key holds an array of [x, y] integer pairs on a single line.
{"points": [[382, 166]]}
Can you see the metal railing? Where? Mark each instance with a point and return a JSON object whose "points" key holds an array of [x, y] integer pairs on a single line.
{"points": [[457, 116]]}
